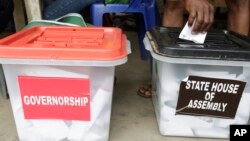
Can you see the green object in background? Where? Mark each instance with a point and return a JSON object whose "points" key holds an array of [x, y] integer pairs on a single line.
{"points": [[117, 1], [71, 19]]}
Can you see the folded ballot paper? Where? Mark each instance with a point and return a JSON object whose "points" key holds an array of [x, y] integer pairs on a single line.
{"points": [[186, 34]]}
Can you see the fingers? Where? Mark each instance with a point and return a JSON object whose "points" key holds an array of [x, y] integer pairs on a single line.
{"points": [[202, 16], [209, 19], [206, 20], [199, 21], [192, 16]]}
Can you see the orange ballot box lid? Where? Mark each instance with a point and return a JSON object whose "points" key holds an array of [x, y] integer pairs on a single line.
{"points": [[65, 43]]}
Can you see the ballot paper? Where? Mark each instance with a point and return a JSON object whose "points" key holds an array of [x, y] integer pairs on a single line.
{"points": [[186, 34], [100, 113]]}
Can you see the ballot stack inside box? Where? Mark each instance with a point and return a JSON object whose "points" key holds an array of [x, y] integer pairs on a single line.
{"points": [[93, 129], [199, 90], [61, 85]]}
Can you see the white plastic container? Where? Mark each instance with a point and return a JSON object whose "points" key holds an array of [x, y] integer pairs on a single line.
{"points": [[98, 71], [169, 72]]}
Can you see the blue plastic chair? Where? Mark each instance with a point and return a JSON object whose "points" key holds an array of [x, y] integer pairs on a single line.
{"points": [[147, 8]]}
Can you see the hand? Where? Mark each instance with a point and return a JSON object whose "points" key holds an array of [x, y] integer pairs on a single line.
{"points": [[201, 13]]}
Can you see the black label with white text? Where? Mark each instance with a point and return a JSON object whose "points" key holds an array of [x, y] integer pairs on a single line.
{"points": [[209, 96]]}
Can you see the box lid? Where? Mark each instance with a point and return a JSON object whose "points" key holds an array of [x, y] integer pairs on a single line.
{"points": [[219, 45], [65, 43]]}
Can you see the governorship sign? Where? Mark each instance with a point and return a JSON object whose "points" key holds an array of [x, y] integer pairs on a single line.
{"points": [[55, 98]]}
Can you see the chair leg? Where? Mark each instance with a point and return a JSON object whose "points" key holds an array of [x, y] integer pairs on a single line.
{"points": [[141, 31], [150, 21], [143, 51], [97, 15], [152, 18]]}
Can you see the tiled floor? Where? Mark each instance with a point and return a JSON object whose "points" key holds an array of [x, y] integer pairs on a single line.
{"points": [[133, 117]]}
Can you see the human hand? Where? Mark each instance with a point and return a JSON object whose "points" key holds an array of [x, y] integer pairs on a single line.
{"points": [[201, 14]]}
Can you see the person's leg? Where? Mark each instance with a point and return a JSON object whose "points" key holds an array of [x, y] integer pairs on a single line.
{"points": [[238, 16], [63, 7], [249, 21], [173, 13]]}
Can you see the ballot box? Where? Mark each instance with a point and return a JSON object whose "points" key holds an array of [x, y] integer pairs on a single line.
{"points": [[60, 80], [199, 90]]}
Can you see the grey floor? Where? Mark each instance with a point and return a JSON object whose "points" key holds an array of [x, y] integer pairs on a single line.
{"points": [[133, 117]]}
